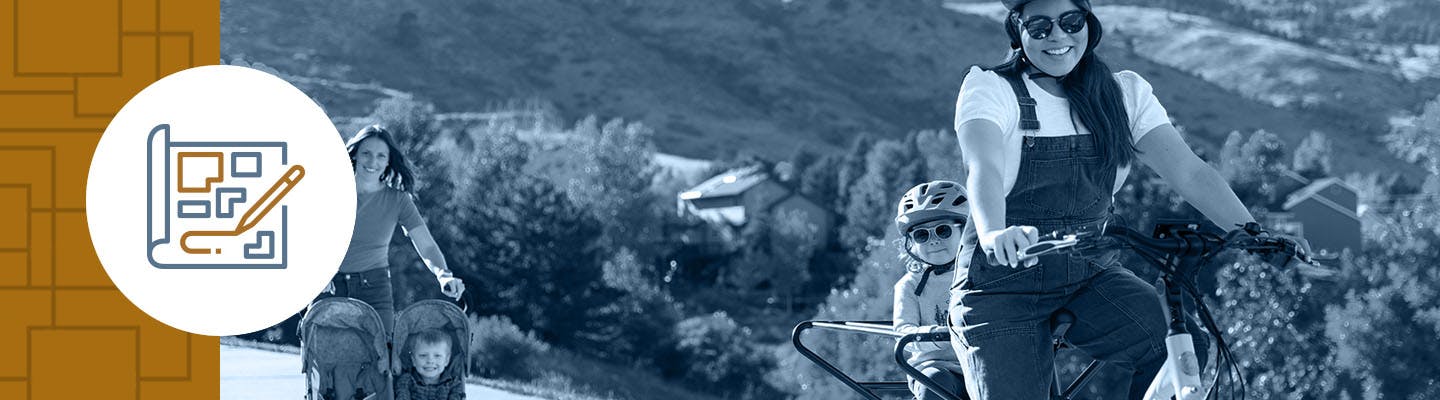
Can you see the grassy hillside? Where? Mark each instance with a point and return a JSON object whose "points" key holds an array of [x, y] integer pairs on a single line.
{"points": [[713, 77], [1402, 34], [708, 75]]}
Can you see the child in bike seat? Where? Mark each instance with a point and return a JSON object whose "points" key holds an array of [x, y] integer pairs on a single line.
{"points": [[930, 217]]}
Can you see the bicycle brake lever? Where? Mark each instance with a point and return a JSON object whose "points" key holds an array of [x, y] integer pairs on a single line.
{"points": [[1044, 247], [1313, 269], [1308, 266]]}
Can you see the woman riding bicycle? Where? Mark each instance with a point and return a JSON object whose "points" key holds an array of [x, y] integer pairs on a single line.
{"points": [[1048, 136]]}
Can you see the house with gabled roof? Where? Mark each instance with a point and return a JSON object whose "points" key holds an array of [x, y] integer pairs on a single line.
{"points": [[733, 198], [1324, 211]]}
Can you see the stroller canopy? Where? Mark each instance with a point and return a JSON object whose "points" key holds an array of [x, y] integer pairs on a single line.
{"points": [[344, 314], [438, 315]]}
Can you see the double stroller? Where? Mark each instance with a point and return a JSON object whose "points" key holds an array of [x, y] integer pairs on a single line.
{"points": [[347, 355]]}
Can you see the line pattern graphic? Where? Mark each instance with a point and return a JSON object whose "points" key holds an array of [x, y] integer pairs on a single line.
{"points": [[65, 330]]}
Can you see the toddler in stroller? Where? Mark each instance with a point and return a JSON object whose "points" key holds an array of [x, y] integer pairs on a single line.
{"points": [[433, 342], [346, 356]]}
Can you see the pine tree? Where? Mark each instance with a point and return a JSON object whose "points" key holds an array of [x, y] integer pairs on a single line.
{"points": [[1418, 141], [890, 168], [1312, 157], [819, 182], [1230, 163], [1261, 162], [616, 170], [852, 166]]}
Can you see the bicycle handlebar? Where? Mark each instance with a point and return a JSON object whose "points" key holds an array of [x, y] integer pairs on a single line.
{"points": [[1176, 249], [1185, 242]]}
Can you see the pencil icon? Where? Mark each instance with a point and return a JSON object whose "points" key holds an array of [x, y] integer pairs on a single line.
{"points": [[252, 216]]}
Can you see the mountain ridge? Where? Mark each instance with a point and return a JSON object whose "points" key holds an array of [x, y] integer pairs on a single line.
{"points": [[714, 78]]}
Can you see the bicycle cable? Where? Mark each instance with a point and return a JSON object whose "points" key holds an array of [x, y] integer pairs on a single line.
{"points": [[1223, 356], [1226, 363]]}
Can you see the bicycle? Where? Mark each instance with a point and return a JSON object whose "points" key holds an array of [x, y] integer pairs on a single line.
{"points": [[1178, 249]]}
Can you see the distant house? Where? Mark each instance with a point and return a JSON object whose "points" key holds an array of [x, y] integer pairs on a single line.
{"points": [[1290, 182], [731, 199], [1323, 212]]}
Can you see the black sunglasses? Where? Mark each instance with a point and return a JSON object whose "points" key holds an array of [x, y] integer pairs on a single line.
{"points": [[942, 231], [1070, 22]]}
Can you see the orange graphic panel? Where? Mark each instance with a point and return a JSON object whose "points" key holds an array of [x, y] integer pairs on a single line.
{"points": [[67, 68]]}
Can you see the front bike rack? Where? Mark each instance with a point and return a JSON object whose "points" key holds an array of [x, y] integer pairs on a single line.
{"points": [[865, 389], [1060, 324], [868, 390], [915, 373]]}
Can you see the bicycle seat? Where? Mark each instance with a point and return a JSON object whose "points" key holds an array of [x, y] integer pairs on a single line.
{"points": [[1060, 323]]}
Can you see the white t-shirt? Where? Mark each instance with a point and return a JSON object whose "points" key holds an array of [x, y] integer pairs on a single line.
{"points": [[986, 95]]}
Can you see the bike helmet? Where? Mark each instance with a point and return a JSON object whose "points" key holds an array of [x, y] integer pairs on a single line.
{"points": [[931, 201]]}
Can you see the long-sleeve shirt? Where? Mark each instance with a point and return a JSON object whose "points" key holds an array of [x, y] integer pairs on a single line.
{"points": [[409, 387], [916, 313]]}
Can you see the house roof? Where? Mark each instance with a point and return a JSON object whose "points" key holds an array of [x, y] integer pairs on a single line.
{"points": [[734, 215], [729, 183], [1312, 192], [1294, 176]]}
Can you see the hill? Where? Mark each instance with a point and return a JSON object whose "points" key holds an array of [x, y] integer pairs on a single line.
{"points": [[718, 78], [1401, 34]]}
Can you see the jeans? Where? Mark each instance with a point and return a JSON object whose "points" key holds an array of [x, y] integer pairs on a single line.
{"points": [[944, 373], [372, 287], [1001, 323]]}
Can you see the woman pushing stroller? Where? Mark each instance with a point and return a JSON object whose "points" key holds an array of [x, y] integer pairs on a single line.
{"points": [[338, 332], [385, 184]]}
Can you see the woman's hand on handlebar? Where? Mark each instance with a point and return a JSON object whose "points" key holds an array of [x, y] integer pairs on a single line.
{"points": [[1003, 246], [1301, 250], [1300, 242], [1293, 247]]}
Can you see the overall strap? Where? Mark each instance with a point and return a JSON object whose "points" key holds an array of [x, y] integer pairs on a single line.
{"points": [[1028, 121]]}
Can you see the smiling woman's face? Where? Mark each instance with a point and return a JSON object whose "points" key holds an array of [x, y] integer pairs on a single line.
{"points": [[371, 158], [1057, 54]]}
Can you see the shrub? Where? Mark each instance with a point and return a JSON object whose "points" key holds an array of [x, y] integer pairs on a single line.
{"points": [[719, 355], [499, 350]]}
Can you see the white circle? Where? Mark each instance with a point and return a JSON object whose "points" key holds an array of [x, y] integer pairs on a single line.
{"points": [[225, 122]]}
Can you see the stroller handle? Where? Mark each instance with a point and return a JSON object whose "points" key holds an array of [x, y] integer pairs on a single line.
{"points": [[464, 305]]}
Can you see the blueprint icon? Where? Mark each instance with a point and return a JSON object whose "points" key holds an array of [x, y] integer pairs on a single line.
{"points": [[217, 205]]}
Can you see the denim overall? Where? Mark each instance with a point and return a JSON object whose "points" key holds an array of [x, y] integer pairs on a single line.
{"points": [[1000, 316]]}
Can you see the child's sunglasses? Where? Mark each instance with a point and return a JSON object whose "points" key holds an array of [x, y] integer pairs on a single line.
{"points": [[1070, 22], [942, 231]]}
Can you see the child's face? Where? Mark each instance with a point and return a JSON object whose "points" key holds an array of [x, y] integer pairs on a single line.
{"points": [[430, 359], [938, 242]]}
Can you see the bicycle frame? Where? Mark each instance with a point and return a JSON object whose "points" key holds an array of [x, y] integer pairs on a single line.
{"points": [[1180, 375], [1055, 392], [883, 328]]}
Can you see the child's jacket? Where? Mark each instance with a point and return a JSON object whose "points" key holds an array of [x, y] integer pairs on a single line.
{"points": [[916, 312], [410, 387]]}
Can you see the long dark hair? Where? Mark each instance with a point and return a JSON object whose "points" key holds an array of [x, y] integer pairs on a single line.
{"points": [[397, 174], [1094, 95]]}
